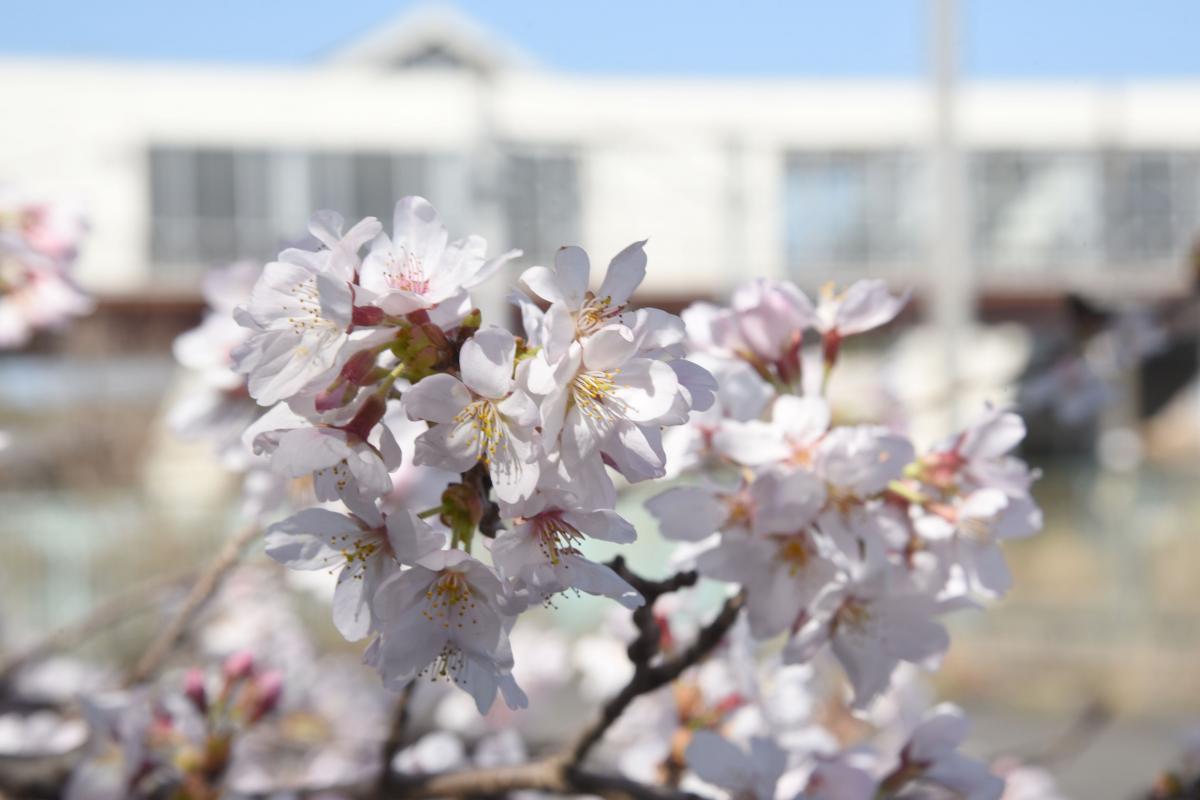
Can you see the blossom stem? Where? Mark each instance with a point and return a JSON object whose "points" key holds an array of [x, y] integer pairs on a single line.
{"points": [[202, 591], [908, 492]]}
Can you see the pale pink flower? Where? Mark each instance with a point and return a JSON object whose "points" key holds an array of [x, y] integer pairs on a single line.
{"points": [[418, 267], [746, 775], [482, 418], [575, 312], [364, 548], [443, 618], [301, 311], [932, 753], [872, 622]]}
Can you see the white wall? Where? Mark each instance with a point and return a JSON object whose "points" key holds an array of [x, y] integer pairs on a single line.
{"points": [[695, 165]]}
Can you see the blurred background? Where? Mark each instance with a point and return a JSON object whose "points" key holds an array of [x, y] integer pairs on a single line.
{"points": [[1030, 169]]}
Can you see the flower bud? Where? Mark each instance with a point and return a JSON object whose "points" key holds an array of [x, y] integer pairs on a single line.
{"points": [[359, 366], [367, 417], [790, 364], [472, 321], [335, 396], [238, 666], [730, 703], [462, 509], [831, 346], [366, 316], [268, 689], [193, 689]]}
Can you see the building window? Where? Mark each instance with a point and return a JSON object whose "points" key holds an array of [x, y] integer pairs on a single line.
{"points": [[1033, 210], [210, 206], [542, 206], [853, 211], [1084, 211], [361, 185], [1152, 207]]}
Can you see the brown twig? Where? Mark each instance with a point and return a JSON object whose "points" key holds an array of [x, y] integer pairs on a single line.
{"points": [[394, 740], [551, 775], [1094, 718], [202, 591], [106, 614], [563, 773], [647, 676]]}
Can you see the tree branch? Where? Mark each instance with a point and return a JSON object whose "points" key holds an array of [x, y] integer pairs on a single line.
{"points": [[202, 591], [394, 740], [562, 773], [551, 775], [1092, 720], [107, 613], [647, 677]]}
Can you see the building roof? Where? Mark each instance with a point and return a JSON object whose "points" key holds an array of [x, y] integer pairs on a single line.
{"points": [[433, 36]]}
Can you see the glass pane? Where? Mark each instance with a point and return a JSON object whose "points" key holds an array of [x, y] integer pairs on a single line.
{"points": [[411, 174], [853, 210], [374, 190], [216, 186], [542, 206], [1036, 210], [1151, 207], [172, 192], [331, 182], [172, 205]]}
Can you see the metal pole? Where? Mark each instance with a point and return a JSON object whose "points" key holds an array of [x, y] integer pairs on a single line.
{"points": [[950, 285]]}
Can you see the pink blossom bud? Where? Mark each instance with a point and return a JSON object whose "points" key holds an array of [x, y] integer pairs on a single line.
{"points": [[730, 703], [831, 345], [335, 397], [790, 365], [359, 366], [193, 688], [161, 724], [239, 665], [368, 416], [366, 315], [666, 638], [268, 688]]}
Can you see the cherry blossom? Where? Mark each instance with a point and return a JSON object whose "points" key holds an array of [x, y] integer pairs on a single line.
{"points": [[404, 404], [218, 407], [932, 756], [344, 463], [301, 311], [972, 529], [39, 242], [797, 424], [863, 306], [482, 418], [765, 324], [365, 548], [444, 618], [602, 397], [744, 774], [418, 267], [542, 551], [576, 312], [872, 622]]}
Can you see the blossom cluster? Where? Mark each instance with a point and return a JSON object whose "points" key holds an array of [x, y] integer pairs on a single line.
{"points": [[844, 538], [842, 535], [351, 343], [456, 473], [38, 246], [148, 744]]}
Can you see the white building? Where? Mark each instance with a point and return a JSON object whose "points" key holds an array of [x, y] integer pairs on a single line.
{"points": [[185, 166]]}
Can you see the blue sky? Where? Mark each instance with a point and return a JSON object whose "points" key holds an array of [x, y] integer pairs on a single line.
{"points": [[1098, 39]]}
